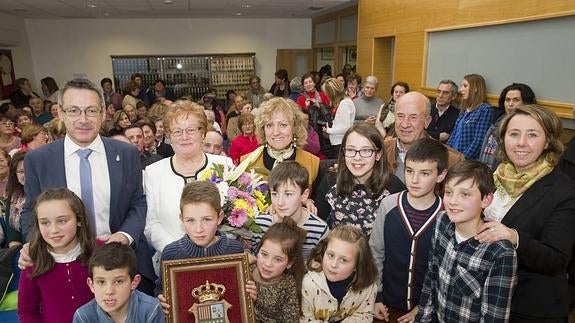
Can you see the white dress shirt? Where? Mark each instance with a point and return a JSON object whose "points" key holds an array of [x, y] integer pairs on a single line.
{"points": [[100, 180]]}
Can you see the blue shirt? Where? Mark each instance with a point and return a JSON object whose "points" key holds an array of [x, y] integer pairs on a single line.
{"points": [[469, 131], [141, 309]]}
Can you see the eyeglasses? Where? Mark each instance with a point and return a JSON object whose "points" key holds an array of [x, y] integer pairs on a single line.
{"points": [[366, 152], [7, 123], [190, 131], [74, 112]]}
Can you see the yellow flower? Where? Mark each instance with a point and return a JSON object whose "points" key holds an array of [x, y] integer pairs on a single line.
{"points": [[262, 207], [243, 204]]}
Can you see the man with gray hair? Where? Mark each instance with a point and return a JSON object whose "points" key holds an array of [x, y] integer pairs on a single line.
{"points": [[443, 112], [367, 105]]}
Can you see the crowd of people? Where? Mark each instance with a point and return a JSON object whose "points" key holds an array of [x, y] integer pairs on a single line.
{"points": [[398, 210]]}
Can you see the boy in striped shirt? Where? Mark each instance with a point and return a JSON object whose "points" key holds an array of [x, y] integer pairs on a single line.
{"points": [[289, 189]]}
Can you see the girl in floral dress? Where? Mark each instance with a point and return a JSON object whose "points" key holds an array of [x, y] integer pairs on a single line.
{"points": [[363, 179]]}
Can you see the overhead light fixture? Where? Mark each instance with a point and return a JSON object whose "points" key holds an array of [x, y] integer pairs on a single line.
{"points": [[106, 14], [91, 5], [168, 1], [238, 14], [246, 6]]}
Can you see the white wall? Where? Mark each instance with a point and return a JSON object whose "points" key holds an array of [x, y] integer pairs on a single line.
{"points": [[61, 48], [21, 52]]}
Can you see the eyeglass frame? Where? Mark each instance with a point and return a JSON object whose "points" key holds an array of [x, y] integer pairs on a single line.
{"points": [[359, 151], [190, 131], [67, 111], [7, 123]]}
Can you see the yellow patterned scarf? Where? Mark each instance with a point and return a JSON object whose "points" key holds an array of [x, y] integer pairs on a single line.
{"points": [[515, 183], [280, 155]]}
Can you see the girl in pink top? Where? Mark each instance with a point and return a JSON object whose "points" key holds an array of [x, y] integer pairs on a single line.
{"points": [[55, 286]]}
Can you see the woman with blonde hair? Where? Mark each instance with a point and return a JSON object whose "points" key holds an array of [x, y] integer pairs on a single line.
{"points": [[475, 118], [280, 128], [344, 114]]}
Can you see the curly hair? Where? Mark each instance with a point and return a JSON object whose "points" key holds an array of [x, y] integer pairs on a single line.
{"points": [[290, 110]]}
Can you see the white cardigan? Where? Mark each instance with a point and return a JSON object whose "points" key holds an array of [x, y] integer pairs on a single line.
{"points": [[343, 120]]}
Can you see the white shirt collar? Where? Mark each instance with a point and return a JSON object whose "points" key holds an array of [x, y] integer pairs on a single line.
{"points": [[71, 147], [69, 256]]}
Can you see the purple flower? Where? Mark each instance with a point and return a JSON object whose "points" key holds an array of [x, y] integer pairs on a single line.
{"points": [[237, 218], [263, 187], [233, 193], [244, 179]]}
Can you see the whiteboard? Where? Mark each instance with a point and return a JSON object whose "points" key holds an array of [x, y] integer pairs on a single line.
{"points": [[538, 53]]}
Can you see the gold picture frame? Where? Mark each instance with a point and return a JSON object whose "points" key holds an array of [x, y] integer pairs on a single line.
{"points": [[185, 277]]}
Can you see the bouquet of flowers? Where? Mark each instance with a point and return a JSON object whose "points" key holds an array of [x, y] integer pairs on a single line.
{"points": [[244, 195]]}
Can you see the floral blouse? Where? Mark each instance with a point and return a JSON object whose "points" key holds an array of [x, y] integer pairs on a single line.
{"points": [[358, 209]]}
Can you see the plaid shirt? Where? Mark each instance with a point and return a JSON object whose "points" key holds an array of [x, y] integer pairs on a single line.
{"points": [[467, 281], [469, 131]]}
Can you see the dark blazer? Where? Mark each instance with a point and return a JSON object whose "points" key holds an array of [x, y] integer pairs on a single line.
{"points": [[45, 169], [544, 217]]}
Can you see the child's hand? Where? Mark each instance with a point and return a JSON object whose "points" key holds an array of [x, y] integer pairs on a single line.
{"points": [[380, 312], [409, 317], [252, 290], [164, 304], [310, 206], [25, 260]]}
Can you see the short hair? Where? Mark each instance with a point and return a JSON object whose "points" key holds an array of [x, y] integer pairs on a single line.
{"points": [[399, 83], [282, 74], [80, 84], [307, 76], [454, 88], [105, 80], [428, 149], [365, 272], [132, 126], [21, 113], [293, 114], [5, 117], [550, 123], [201, 192], [140, 104], [477, 91], [156, 81], [371, 79], [289, 172], [295, 85], [527, 95], [255, 77], [30, 131], [381, 174], [50, 84], [479, 172], [147, 122], [185, 109], [158, 110], [114, 255], [131, 86], [245, 118], [20, 81], [135, 75], [353, 77]]}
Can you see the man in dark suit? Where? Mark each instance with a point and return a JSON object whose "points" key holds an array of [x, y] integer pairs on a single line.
{"points": [[443, 112], [116, 203]]}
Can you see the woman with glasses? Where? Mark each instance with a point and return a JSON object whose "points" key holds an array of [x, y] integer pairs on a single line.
{"points": [[8, 140], [185, 124], [281, 129], [363, 179], [33, 136]]}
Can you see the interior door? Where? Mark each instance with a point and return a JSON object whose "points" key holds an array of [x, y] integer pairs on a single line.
{"points": [[296, 61]]}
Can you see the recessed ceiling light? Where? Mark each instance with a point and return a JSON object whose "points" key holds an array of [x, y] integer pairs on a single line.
{"points": [[168, 1], [246, 6], [106, 14], [238, 14], [91, 5]]}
